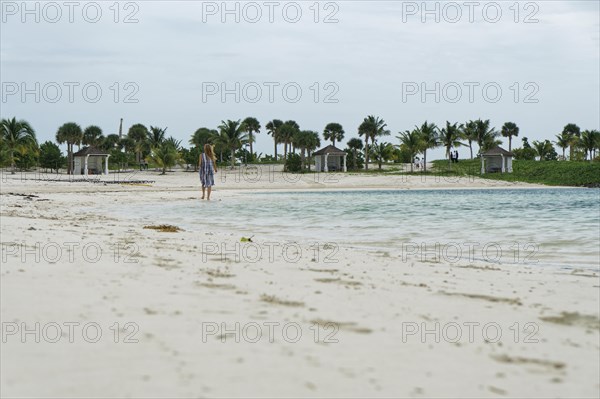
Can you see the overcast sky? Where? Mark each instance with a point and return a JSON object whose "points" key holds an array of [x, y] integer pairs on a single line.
{"points": [[369, 58]]}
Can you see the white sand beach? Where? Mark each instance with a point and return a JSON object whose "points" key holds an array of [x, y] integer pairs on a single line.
{"points": [[180, 318]]}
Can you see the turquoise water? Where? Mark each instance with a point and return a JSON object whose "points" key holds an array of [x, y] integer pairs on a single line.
{"points": [[558, 227]]}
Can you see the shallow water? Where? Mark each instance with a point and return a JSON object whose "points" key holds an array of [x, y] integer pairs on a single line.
{"points": [[553, 227]]}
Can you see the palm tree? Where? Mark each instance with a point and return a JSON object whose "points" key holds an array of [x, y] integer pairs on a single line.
{"points": [[302, 140], [334, 132], [156, 136], [355, 145], [312, 143], [563, 141], [469, 133], [110, 142], [127, 144], [450, 138], [232, 136], [510, 130], [14, 134], [4, 153], [486, 135], [573, 131], [166, 154], [203, 136], [27, 151], [589, 141], [287, 132], [139, 134], [429, 137], [372, 127], [491, 141], [273, 128], [92, 135], [381, 152], [173, 143], [219, 145], [71, 134], [252, 126], [411, 142], [542, 148]]}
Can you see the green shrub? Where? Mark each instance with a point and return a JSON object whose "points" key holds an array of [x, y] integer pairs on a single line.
{"points": [[51, 157], [293, 163]]}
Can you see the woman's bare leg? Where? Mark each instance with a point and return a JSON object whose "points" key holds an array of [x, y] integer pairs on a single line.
{"points": [[203, 189], [209, 190]]}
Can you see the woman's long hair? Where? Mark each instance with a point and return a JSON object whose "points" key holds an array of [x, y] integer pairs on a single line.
{"points": [[208, 150]]}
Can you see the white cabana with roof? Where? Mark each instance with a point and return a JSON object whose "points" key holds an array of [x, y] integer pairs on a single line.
{"points": [[495, 160], [90, 160], [330, 159]]}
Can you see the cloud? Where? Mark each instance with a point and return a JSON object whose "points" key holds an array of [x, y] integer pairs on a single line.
{"points": [[368, 54]]}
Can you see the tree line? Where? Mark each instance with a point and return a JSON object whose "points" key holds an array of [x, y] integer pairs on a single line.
{"points": [[233, 140]]}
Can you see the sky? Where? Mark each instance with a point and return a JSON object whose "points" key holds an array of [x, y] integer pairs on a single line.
{"points": [[190, 64]]}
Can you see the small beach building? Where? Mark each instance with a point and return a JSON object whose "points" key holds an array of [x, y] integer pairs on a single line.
{"points": [[330, 159], [496, 160], [90, 161]]}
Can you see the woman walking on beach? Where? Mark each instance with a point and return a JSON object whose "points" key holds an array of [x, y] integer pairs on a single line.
{"points": [[208, 167]]}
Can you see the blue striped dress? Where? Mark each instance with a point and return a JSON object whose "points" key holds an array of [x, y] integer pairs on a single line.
{"points": [[207, 172]]}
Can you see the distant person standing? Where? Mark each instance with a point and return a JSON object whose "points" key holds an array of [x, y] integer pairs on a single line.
{"points": [[456, 156], [208, 167]]}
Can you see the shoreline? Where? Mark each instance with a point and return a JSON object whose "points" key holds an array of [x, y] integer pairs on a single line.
{"points": [[226, 182]]}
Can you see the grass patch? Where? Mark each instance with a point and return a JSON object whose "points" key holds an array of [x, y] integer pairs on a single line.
{"points": [[553, 173]]}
